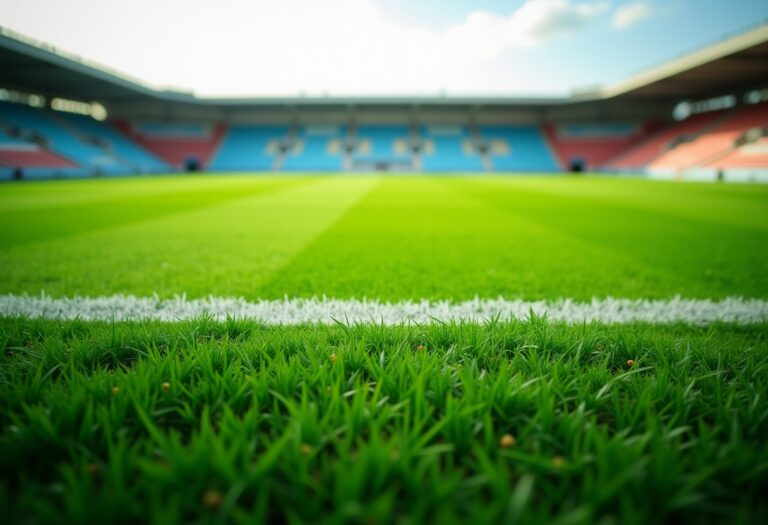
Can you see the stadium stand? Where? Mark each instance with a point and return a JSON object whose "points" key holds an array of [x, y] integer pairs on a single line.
{"points": [[656, 144], [380, 143], [714, 142], [50, 132], [248, 148], [44, 93], [45, 143], [183, 146], [518, 148], [316, 148], [31, 156], [20, 157], [30, 161], [116, 143], [451, 149], [588, 146], [753, 155]]}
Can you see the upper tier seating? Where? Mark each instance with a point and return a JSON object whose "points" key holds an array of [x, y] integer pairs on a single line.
{"points": [[591, 144], [518, 148], [382, 140], [178, 144], [247, 148], [120, 146], [36, 124], [715, 142], [314, 151], [451, 150]]}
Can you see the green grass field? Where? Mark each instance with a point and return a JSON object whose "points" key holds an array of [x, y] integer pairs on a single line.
{"points": [[385, 237], [501, 421]]}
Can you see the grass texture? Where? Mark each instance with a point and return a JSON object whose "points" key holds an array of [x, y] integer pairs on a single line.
{"points": [[522, 421], [529, 421], [385, 237]]}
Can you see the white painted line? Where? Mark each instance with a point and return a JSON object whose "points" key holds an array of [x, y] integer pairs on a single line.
{"points": [[321, 310]]}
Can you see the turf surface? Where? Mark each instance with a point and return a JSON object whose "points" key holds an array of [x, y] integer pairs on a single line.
{"points": [[384, 237], [236, 422], [203, 421]]}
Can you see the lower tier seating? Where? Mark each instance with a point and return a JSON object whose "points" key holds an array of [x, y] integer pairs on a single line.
{"points": [[50, 132], [518, 148], [37, 142], [181, 146], [316, 148], [382, 143], [590, 146], [248, 148], [120, 146], [450, 148], [715, 142]]}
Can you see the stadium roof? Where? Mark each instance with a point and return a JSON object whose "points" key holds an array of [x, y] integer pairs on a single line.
{"points": [[738, 62]]}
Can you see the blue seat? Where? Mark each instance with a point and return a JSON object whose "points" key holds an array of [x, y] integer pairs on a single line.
{"points": [[314, 154], [527, 149], [449, 154], [120, 146], [59, 139], [245, 148], [382, 139]]}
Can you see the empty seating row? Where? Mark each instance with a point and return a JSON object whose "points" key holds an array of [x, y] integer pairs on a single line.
{"points": [[518, 148], [441, 148], [382, 143], [179, 145], [645, 152], [449, 148], [592, 145], [245, 148], [120, 146], [52, 133], [48, 143], [716, 142], [18, 157], [316, 148], [754, 155]]}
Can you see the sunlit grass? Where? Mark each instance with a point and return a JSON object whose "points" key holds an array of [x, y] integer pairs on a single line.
{"points": [[385, 237], [497, 422]]}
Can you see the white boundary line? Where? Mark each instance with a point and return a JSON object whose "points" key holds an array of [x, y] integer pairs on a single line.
{"points": [[322, 310]]}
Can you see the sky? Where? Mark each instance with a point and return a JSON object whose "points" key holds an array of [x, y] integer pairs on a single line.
{"points": [[379, 47]]}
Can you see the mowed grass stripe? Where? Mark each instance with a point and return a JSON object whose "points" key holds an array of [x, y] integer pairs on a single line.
{"points": [[420, 238], [694, 255], [113, 208], [736, 204], [413, 237], [710, 204], [221, 249], [51, 193], [585, 255]]}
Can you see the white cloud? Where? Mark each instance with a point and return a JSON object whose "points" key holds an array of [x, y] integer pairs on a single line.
{"points": [[631, 14], [237, 47]]}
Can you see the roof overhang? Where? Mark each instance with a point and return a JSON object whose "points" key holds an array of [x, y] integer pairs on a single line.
{"points": [[739, 62], [736, 63]]}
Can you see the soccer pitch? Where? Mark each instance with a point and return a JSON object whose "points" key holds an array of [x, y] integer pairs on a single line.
{"points": [[484, 349], [388, 238]]}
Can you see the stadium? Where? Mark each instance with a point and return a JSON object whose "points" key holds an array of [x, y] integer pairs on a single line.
{"points": [[700, 117], [430, 308]]}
